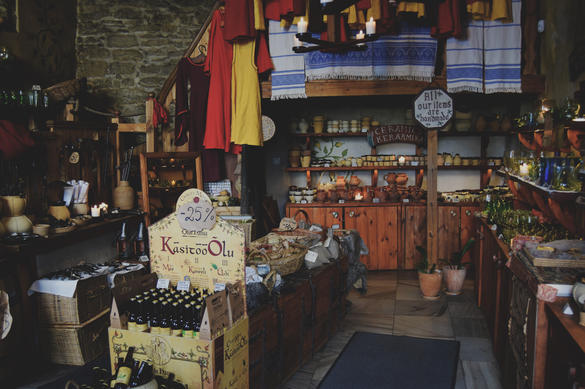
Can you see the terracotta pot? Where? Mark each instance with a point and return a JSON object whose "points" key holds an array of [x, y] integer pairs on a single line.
{"points": [[124, 196], [17, 224], [13, 205], [333, 196], [430, 284], [321, 196], [59, 212], [480, 123], [390, 178], [454, 279], [401, 179], [354, 181], [393, 196]]}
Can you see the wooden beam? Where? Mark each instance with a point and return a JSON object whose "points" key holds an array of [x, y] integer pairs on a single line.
{"points": [[432, 206]]}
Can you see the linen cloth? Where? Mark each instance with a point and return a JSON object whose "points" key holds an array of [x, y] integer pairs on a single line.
{"points": [[465, 60], [288, 76], [408, 56], [503, 53]]}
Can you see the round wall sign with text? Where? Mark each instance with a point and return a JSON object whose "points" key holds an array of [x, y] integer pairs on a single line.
{"points": [[433, 108], [197, 215]]}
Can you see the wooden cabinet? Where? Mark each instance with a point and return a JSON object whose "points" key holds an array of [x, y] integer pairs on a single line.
{"points": [[379, 228], [325, 216], [468, 230], [448, 231], [414, 233]]}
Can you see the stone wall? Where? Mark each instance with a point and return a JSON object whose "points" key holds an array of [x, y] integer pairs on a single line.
{"points": [[128, 48]]}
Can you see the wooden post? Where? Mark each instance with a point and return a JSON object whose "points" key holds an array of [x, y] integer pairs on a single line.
{"points": [[149, 126], [432, 207]]}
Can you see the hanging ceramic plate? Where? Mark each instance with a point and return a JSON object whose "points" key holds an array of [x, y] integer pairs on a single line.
{"points": [[268, 128]]}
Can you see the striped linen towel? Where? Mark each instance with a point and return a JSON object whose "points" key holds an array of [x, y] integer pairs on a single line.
{"points": [[288, 76], [503, 54], [410, 55], [465, 60]]}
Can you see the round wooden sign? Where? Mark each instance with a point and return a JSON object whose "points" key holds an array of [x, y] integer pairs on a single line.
{"points": [[197, 215], [433, 108]]}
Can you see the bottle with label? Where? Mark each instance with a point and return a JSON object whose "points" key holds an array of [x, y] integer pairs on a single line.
{"points": [[165, 321], [125, 370], [187, 321], [140, 242], [123, 243], [132, 314], [142, 375], [196, 320], [176, 327], [141, 322], [155, 317]]}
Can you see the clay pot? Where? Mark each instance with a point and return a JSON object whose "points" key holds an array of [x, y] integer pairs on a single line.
{"points": [[59, 212], [41, 229], [381, 195], [354, 181], [293, 161], [506, 124], [306, 161], [17, 224], [393, 196], [333, 196], [13, 205], [401, 179], [430, 284], [454, 279], [321, 196], [124, 196], [390, 178]]}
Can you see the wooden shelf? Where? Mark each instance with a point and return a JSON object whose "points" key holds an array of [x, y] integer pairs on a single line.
{"points": [[372, 168], [328, 135], [454, 134], [557, 195], [531, 84]]}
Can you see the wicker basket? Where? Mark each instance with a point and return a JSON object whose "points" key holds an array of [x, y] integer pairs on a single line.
{"points": [[284, 261], [75, 344]]}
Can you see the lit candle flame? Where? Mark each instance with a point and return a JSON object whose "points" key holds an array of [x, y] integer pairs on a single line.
{"points": [[358, 196]]}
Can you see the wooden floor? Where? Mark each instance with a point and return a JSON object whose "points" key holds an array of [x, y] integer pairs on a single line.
{"points": [[393, 305]]}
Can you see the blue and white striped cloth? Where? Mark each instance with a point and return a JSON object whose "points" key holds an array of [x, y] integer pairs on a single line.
{"points": [[489, 60], [410, 55], [503, 54], [288, 76]]}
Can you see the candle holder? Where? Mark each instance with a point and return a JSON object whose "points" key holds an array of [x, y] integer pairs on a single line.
{"points": [[332, 47]]}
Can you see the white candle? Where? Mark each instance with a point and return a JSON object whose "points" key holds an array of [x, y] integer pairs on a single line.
{"points": [[302, 26], [524, 169], [371, 26], [104, 208], [95, 211], [401, 160], [360, 35]]}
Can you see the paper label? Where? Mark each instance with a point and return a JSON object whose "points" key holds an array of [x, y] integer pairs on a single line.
{"points": [[144, 258], [335, 227], [162, 283], [311, 256], [196, 216], [184, 285], [405, 200], [218, 287]]}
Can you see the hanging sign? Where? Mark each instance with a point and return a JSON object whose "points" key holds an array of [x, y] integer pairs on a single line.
{"points": [[433, 108], [196, 215], [396, 133]]}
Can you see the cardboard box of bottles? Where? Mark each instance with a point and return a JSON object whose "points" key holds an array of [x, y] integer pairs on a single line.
{"points": [[216, 358]]}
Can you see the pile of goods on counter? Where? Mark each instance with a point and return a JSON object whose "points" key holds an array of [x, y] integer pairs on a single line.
{"points": [[476, 196], [320, 123], [350, 190], [291, 249]]}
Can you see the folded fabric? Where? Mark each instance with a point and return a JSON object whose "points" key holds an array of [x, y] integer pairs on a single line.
{"points": [[288, 76], [465, 60], [503, 53], [409, 56]]}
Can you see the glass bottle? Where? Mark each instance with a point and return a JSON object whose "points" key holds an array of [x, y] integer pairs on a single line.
{"points": [[156, 317]]}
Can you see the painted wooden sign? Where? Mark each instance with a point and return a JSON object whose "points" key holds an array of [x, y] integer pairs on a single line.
{"points": [[209, 258], [396, 133], [433, 108]]}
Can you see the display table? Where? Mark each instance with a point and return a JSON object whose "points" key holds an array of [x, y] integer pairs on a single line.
{"points": [[285, 333], [513, 294]]}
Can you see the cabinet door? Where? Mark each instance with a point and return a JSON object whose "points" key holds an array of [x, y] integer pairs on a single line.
{"points": [[387, 227], [358, 218], [415, 234], [316, 215], [333, 216], [448, 231], [468, 231]]}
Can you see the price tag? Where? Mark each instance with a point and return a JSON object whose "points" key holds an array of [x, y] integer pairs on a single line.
{"points": [[218, 287], [143, 258], [405, 200], [184, 285], [311, 256], [162, 283], [315, 228], [335, 227], [196, 216]]}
